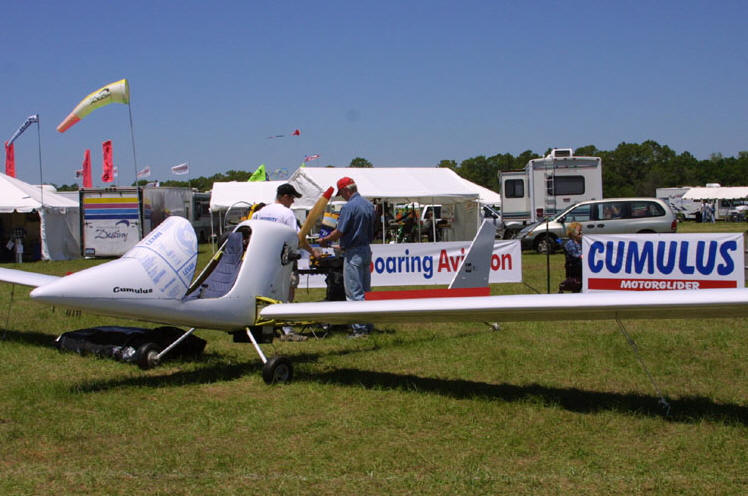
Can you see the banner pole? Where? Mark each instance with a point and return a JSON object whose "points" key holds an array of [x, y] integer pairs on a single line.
{"points": [[132, 138], [39, 142]]}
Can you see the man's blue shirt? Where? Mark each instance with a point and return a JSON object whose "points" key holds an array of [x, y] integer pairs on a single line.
{"points": [[356, 222]]}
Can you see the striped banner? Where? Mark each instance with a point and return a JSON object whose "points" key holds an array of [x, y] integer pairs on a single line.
{"points": [[110, 208]]}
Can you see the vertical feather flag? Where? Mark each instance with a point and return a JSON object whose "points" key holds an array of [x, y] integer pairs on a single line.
{"points": [[259, 175], [87, 181], [10, 160], [107, 171], [117, 92]]}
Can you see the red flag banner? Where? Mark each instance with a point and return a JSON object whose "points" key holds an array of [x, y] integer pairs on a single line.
{"points": [[107, 171], [87, 182], [10, 160]]}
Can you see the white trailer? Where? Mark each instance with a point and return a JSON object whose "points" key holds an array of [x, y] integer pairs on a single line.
{"points": [[547, 186], [682, 208], [112, 220], [161, 203]]}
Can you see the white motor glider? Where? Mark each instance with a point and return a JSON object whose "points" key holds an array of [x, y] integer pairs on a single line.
{"points": [[240, 289]]}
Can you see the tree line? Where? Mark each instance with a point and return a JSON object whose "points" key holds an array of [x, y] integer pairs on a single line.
{"points": [[632, 169]]}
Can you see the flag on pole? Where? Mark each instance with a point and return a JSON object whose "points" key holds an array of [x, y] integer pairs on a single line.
{"points": [[87, 181], [10, 160], [29, 121], [309, 158], [117, 92], [259, 175], [144, 172], [181, 169], [107, 171]]}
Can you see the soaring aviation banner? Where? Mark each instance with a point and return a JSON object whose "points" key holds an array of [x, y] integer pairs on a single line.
{"points": [[428, 263], [655, 262]]}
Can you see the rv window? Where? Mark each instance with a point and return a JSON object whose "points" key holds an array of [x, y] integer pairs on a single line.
{"points": [[514, 188], [566, 185]]}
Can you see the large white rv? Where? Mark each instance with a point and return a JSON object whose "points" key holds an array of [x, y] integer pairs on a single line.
{"points": [[547, 186]]}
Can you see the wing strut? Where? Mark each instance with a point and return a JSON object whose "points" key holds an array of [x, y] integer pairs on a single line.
{"points": [[663, 402]]}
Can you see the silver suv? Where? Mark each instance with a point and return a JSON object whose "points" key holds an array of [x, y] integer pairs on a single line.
{"points": [[610, 216]]}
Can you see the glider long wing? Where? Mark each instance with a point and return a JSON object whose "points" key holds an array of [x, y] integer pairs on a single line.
{"points": [[587, 306], [24, 278]]}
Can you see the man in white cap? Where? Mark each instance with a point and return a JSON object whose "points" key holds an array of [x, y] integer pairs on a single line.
{"points": [[355, 230]]}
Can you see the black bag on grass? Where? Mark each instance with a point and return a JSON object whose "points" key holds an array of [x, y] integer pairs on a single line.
{"points": [[122, 343]]}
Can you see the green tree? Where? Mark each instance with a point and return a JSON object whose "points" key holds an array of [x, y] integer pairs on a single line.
{"points": [[360, 162]]}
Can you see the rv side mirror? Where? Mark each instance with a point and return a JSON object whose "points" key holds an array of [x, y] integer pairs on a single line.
{"points": [[562, 220]]}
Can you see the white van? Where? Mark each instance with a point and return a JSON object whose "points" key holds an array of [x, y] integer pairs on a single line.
{"points": [[611, 216]]}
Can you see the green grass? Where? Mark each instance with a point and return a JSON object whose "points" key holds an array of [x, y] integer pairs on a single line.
{"points": [[535, 408]]}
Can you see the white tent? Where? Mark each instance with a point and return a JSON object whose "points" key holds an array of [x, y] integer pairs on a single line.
{"points": [[56, 228], [396, 184], [422, 185], [224, 195], [717, 193], [485, 196]]}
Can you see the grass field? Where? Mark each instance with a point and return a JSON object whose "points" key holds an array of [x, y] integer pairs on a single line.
{"points": [[534, 408]]}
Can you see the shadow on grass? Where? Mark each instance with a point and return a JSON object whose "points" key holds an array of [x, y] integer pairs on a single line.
{"points": [[688, 410], [28, 337], [215, 372]]}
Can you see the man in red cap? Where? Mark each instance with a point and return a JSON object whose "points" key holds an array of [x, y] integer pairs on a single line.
{"points": [[355, 230]]}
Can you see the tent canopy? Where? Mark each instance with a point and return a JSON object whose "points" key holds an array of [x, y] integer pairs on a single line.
{"points": [[18, 196], [397, 184], [720, 193], [226, 194], [59, 217], [485, 196]]}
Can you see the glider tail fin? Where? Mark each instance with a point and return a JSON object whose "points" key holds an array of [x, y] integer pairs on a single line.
{"points": [[476, 266]]}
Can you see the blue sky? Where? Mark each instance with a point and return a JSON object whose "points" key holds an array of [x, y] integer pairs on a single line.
{"points": [[405, 83]]}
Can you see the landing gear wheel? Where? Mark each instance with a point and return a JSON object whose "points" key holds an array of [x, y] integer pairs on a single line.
{"points": [[277, 369], [147, 356]]}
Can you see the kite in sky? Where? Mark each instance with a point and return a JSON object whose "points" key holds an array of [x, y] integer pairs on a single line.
{"points": [[297, 132], [117, 92]]}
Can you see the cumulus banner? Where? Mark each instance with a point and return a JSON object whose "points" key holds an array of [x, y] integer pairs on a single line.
{"points": [[656, 262]]}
